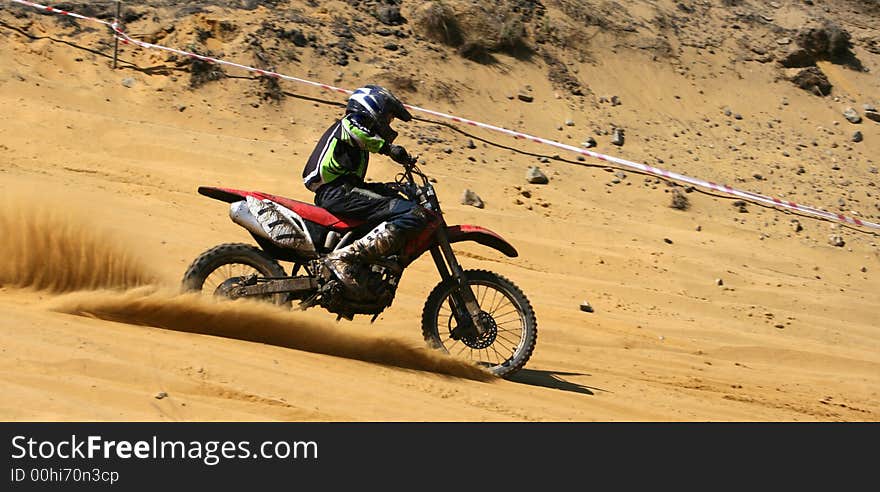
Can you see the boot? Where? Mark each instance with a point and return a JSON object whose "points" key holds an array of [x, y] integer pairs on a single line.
{"points": [[384, 239]]}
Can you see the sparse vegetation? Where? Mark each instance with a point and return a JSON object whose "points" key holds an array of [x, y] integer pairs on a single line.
{"points": [[476, 29], [445, 91], [202, 72], [512, 38], [270, 89], [400, 83], [476, 51], [436, 21]]}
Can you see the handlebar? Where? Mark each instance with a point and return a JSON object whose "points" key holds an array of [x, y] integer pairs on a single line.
{"points": [[420, 193]]}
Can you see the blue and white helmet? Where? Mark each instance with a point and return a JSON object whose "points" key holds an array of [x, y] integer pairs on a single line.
{"points": [[376, 107]]}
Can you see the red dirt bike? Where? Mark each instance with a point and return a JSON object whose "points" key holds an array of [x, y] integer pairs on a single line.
{"points": [[476, 314]]}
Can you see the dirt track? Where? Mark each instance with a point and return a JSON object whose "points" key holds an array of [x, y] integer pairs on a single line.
{"points": [[791, 334]]}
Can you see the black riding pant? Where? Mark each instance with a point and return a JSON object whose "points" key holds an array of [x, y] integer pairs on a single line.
{"points": [[370, 202]]}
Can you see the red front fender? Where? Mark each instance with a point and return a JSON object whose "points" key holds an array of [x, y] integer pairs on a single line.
{"points": [[458, 233]]}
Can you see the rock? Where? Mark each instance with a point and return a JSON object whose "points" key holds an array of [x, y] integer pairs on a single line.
{"points": [[857, 137], [525, 97], [827, 42], [589, 143], [719, 282], [585, 307], [872, 115], [615, 101], [852, 116], [471, 144], [617, 137], [836, 240], [813, 80], [161, 395], [535, 176], [472, 199], [679, 200], [667, 240], [569, 122], [389, 15], [128, 82], [796, 225], [797, 58], [741, 205]]}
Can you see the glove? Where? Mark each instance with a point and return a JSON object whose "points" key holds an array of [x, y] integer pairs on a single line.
{"points": [[399, 155]]}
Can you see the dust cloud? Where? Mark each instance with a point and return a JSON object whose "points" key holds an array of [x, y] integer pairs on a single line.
{"points": [[256, 322], [50, 248]]}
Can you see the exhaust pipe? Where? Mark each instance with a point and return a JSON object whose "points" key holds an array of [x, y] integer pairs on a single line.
{"points": [[241, 215]]}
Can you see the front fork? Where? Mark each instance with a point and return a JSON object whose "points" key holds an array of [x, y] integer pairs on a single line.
{"points": [[465, 308]]}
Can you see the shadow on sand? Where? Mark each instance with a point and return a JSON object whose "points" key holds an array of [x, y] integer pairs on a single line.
{"points": [[552, 379]]}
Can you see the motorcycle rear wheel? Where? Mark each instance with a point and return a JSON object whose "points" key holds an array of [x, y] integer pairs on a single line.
{"points": [[510, 341], [222, 265]]}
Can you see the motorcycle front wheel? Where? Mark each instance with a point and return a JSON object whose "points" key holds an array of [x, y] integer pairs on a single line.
{"points": [[511, 326]]}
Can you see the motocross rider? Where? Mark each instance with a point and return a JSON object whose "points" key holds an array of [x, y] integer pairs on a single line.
{"points": [[335, 173]]}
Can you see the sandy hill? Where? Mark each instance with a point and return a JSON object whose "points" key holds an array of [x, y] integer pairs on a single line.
{"points": [[719, 310]]}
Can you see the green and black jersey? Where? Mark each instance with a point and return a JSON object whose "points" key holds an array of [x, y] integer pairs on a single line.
{"points": [[343, 150]]}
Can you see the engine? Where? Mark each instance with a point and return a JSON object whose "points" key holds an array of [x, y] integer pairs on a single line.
{"points": [[377, 285]]}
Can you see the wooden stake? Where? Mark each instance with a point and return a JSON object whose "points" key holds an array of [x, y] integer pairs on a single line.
{"points": [[115, 36]]}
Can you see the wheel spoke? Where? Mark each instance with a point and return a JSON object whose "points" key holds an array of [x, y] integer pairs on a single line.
{"points": [[508, 331], [517, 328], [512, 344], [492, 302], [508, 313]]}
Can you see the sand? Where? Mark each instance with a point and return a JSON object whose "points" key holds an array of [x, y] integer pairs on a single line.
{"points": [[704, 314]]}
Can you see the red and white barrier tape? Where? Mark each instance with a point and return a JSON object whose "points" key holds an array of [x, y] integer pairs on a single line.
{"points": [[61, 12], [746, 195]]}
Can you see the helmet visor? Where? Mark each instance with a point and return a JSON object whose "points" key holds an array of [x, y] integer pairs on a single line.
{"points": [[399, 111]]}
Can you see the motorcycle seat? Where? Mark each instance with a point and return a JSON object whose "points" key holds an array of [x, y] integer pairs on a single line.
{"points": [[307, 211]]}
